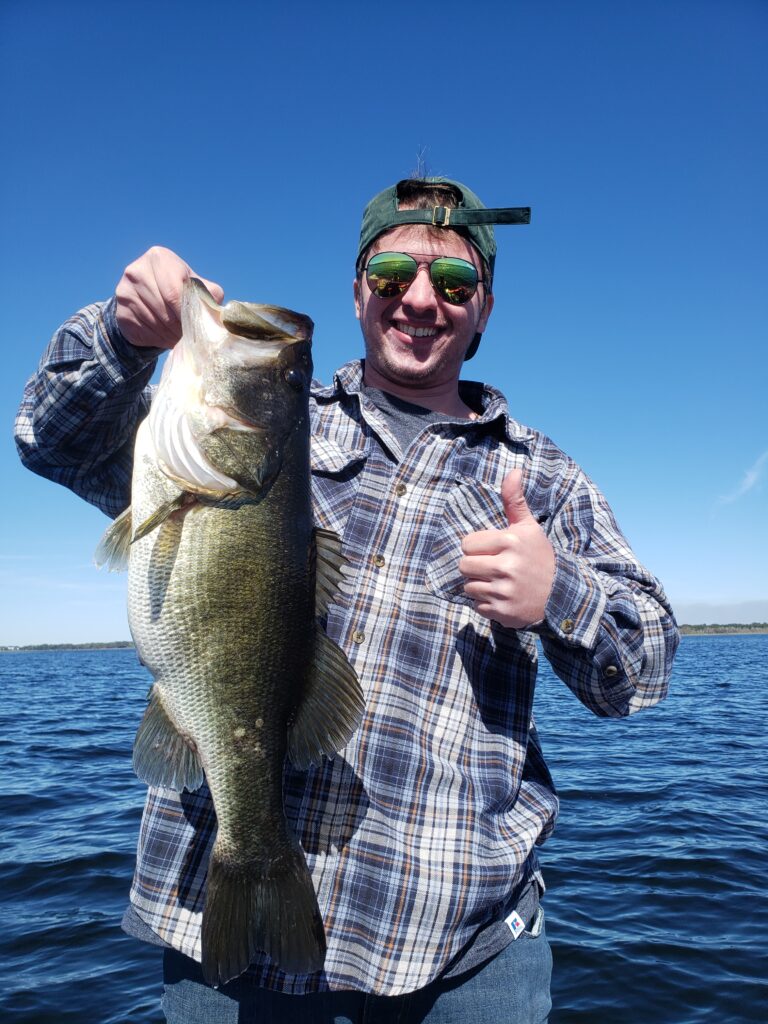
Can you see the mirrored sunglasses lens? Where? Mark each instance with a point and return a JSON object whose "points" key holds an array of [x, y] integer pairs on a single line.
{"points": [[390, 273], [454, 279]]}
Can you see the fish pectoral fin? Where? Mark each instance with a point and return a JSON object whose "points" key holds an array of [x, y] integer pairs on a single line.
{"points": [[115, 546], [161, 755], [160, 515], [331, 708], [329, 568]]}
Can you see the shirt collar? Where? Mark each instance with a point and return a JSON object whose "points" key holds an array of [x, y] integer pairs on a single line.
{"points": [[348, 380]]}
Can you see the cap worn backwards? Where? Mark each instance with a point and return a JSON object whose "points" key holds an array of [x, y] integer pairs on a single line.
{"points": [[471, 216], [476, 220]]}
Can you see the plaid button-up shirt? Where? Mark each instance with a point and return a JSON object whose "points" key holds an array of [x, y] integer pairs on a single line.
{"points": [[420, 829]]}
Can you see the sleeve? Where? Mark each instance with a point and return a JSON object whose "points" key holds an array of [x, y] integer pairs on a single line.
{"points": [[80, 412], [608, 629]]}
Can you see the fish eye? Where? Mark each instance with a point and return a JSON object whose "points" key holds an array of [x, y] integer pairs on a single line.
{"points": [[294, 377]]}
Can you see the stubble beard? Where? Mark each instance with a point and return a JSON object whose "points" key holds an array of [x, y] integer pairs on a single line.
{"points": [[411, 373]]}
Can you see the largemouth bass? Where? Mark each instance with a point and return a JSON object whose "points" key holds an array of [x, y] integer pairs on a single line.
{"points": [[226, 579]]}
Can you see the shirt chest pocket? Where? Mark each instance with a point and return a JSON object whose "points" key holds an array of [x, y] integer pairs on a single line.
{"points": [[472, 506], [336, 474]]}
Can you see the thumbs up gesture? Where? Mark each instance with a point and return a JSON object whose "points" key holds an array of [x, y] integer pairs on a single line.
{"points": [[510, 572]]}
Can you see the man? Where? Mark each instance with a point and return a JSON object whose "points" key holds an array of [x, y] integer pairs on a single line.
{"points": [[469, 535]]}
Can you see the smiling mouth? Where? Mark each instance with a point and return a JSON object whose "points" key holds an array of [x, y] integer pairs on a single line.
{"points": [[414, 332]]}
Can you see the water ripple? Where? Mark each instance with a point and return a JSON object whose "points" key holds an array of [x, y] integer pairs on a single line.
{"points": [[655, 905]]}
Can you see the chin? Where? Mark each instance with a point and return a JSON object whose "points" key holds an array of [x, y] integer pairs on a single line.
{"points": [[411, 371]]}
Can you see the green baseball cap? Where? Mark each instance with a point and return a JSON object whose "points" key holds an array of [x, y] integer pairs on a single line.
{"points": [[471, 218]]}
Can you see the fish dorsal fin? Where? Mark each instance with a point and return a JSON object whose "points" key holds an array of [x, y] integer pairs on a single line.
{"points": [[161, 755], [115, 546], [331, 709], [329, 568]]}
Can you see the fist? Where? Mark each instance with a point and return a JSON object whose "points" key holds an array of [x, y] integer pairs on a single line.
{"points": [[510, 572], [149, 298]]}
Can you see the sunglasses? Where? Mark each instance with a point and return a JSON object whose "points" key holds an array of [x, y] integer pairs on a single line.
{"points": [[392, 273]]}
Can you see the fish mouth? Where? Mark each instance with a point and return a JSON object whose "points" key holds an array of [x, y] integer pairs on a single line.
{"points": [[268, 324], [253, 320], [219, 416]]}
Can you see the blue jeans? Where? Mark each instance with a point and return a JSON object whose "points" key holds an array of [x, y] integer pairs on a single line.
{"points": [[513, 986]]}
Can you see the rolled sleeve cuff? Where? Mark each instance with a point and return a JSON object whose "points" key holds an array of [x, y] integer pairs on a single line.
{"points": [[118, 356], [576, 603]]}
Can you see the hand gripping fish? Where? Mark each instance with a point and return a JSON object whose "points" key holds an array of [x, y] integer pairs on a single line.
{"points": [[226, 579]]}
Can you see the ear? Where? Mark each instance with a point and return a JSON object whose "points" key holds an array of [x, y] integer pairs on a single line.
{"points": [[356, 293], [485, 313]]}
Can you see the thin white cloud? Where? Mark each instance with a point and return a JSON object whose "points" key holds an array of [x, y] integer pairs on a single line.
{"points": [[750, 479]]}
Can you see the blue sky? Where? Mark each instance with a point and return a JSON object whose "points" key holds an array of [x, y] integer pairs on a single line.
{"points": [[630, 319]]}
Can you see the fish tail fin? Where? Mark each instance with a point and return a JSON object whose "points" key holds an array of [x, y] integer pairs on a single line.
{"points": [[264, 905]]}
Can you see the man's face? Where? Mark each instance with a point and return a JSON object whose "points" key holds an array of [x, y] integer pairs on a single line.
{"points": [[418, 339]]}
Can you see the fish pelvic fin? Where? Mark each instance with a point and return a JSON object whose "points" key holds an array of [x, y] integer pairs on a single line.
{"points": [[161, 755], [331, 708], [329, 571], [269, 906], [159, 516], [115, 546]]}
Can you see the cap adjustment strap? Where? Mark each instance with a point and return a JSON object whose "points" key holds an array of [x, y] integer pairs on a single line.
{"points": [[458, 216]]}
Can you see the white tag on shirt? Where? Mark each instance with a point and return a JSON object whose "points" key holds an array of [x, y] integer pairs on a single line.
{"points": [[515, 924]]}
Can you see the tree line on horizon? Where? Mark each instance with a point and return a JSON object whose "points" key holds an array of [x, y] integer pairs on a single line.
{"points": [[685, 628], [730, 627], [96, 645]]}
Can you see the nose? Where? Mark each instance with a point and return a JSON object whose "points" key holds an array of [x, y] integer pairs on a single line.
{"points": [[420, 297]]}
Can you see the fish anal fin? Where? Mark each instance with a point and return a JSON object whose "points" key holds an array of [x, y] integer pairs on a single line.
{"points": [[266, 905], [331, 708], [329, 568], [115, 546], [161, 755]]}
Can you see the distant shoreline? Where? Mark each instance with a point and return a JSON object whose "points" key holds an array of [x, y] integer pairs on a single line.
{"points": [[723, 632], [712, 629], [105, 645], [727, 629]]}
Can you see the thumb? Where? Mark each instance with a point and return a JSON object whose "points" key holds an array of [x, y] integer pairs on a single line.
{"points": [[215, 289], [513, 498]]}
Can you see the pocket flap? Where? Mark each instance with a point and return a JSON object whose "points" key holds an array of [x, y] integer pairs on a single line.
{"points": [[473, 506], [328, 457]]}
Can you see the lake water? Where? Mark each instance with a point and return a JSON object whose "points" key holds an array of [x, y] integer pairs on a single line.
{"points": [[656, 874]]}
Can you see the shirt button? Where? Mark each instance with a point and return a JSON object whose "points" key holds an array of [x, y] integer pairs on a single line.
{"points": [[358, 636], [400, 490], [378, 561], [567, 625], [610, 672]]}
